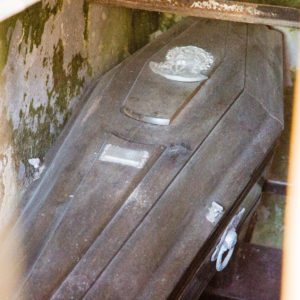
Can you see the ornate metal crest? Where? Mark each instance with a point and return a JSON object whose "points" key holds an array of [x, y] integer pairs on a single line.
{"points": [[187, 64]]}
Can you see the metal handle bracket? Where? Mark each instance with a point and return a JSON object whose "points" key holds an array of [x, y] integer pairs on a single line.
{"points": [[227, 243]]}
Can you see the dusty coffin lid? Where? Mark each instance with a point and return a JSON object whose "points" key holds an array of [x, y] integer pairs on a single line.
{"points": [[158, 100], [120, 212]]}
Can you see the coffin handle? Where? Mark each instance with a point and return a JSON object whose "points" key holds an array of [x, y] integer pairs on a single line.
{"points": [[228, 246], [227, 243]]}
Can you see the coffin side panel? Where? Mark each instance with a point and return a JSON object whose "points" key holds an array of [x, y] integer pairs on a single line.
{"points": [[152, 261]]}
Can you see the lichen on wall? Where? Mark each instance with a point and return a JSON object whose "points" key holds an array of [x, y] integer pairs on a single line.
{"points": [[167, 20], [48, 55], [41, 79]]}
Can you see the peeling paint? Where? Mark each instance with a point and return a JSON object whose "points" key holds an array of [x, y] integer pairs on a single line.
{"points": [[33, 24], [34, 20]]}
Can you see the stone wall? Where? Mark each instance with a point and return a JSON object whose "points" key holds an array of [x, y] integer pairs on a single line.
{"points": [[48, 55]]}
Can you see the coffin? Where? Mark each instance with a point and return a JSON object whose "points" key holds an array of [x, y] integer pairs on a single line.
{"points": [[154, 176]]}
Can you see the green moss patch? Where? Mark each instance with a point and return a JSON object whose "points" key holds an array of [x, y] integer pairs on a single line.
{"points": [[85, 10], [66, 83], [40, 126], [33, 22]]}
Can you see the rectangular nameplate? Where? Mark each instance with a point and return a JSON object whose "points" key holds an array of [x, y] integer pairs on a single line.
{"points": [[124, 156]]}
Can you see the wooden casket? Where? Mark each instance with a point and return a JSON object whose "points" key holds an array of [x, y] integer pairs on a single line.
{"points": [[145, 193]]}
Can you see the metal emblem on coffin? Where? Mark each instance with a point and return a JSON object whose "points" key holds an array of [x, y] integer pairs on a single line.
{"points": [[187, 64]]}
